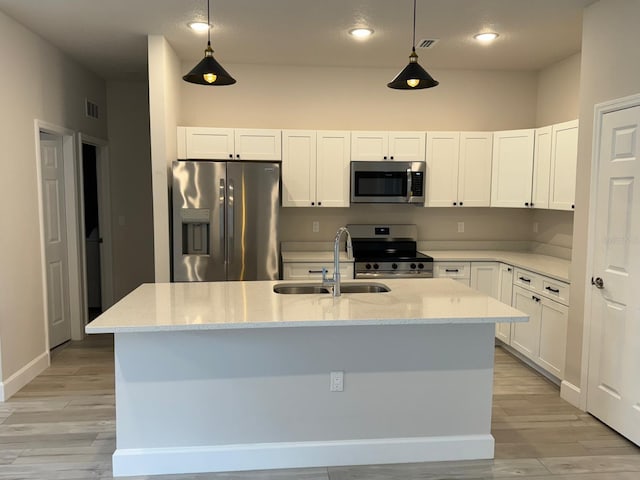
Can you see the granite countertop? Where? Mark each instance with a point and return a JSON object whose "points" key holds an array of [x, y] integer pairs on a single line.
{"points": [[554, 267], [175, 307]]}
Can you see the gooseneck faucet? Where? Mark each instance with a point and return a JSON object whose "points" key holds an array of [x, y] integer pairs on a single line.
{"points": [[335, 282]]}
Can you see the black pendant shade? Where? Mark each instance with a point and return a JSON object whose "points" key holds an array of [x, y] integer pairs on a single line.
{"points": [[209, 71], [413, 76]]}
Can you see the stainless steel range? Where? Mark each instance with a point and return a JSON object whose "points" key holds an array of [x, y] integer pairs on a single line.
{"points": [[388, 251]]}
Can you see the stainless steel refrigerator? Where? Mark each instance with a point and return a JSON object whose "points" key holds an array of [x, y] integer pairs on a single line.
{"points": [[225, 220]]}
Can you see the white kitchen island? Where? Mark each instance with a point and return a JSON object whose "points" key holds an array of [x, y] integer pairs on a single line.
{"points": [[232, 376]]}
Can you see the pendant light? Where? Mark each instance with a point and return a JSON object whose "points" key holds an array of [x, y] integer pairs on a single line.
{"points": [[413, 76], [209, 71]]}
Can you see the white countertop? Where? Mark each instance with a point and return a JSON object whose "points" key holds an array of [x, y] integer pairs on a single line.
{"points": [[236, 305], [554, 267]]}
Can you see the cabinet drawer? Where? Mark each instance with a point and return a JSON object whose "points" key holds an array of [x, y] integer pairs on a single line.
{"points": [[312, 271], [452, 269], [558, 291], [528, 280]]}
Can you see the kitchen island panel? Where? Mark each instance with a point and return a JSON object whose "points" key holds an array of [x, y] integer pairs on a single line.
{"points": [[223, 400]]}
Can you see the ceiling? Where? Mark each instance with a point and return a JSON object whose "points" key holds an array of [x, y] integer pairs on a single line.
{"points": [[109, 36]]}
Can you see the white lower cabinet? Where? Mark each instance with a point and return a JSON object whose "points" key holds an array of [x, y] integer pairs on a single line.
{"points": [[485, 277], [313, 270], [458, 271], [505, 282], [543, 338]]}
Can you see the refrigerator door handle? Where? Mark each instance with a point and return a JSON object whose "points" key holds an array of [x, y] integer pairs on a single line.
{"points": [[230, 223], [222, 200]]}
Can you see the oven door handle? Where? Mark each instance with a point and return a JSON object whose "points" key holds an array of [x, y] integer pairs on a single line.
{"points": [[409, 186]]}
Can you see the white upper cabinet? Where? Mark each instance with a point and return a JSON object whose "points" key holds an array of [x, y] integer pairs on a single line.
{"points": [[332, 170], [229, 144], [254, 144], [315, 168], [459, 169], [541, 168], [205, 143], [512, 168], [374, 146], [474, 169], [564, 155], [299, 168]]}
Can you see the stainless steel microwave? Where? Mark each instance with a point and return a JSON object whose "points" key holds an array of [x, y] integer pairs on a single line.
{"points": [[388, 182]]}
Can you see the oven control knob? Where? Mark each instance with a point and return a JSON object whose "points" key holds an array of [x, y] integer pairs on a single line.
{"points": [[376, 266], [394, 266], [420, 265], [368, 266], [413, 266]]}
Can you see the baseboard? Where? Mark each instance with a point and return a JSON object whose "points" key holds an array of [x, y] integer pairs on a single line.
{"points": [[23, 376], [570, 393], [263, 456]]}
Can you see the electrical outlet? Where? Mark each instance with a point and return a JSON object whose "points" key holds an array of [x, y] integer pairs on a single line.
{"points": [[535, 227], [460, 227], [315, 226], [336, 382]]}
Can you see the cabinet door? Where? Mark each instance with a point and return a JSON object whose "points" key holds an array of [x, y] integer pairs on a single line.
{"points": [[505, 281], [407, 146], [541, 168], [332, 171], [564, 155], [298, 168], [255, 144], [369, 146], [525, 337], [485, 278], [553, 336], [313, 271], [512, 168], [443, 149], [474, 169], [209, 143]]}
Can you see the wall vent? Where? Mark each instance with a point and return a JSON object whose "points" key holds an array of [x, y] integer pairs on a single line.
{"points": [[427, 43], [91, 109]]}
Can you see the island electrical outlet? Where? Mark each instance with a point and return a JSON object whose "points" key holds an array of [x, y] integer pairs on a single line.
{"points": [[336, 382]]}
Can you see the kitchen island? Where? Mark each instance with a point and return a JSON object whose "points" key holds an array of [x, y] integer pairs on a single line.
{"points": [[232, 376]]}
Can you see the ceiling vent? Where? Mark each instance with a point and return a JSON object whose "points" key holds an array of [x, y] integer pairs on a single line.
{"points": [[427, 43], [91, 109]]}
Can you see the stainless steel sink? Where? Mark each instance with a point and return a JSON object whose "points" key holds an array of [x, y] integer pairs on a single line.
{"points": [[300, 288], [363, 288], [312, 288]]}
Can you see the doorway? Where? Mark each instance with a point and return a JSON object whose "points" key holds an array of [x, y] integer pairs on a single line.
{"points": [[91, 231]]}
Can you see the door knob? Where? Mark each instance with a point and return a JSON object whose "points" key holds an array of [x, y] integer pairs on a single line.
{"points": [[598, 282]]}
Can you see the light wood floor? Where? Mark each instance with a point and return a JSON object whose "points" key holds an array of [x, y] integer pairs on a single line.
{"points": [[61, 426]]}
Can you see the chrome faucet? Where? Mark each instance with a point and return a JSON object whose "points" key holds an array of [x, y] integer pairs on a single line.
{"points": [[335, 281]]}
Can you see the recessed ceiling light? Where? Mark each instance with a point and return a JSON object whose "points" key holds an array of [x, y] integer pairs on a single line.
{"points": [[486, 37], [199, 26], [361, 32]]}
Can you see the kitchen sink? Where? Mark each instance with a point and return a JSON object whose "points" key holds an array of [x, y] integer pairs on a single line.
{"points": [[300, 288], [311, 288]]}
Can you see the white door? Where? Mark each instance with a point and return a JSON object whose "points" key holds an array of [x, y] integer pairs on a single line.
{"points": [[209, 143], [505, 279], [256, 144], [613, 393], [541, 167], [443, 150], [512, 168], [332, 170], [474, 169], [369, 146], [525, 337], [298, 168], [564, 156], [55, 236], [407, 146]]}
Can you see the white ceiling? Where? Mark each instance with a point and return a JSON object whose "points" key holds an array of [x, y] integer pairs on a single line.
{"points": [[109, 36]]}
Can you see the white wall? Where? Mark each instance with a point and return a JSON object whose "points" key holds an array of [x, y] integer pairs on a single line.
{"points": [[164, 78], [130, 179], [559, 92], [38, 82], [609, 70]]}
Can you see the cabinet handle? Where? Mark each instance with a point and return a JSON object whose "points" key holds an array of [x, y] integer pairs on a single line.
{"points": [[315, 271], [238, 155], [554, 290], [526, 204], [455, 203], [461, 203], [391, 157], [451, 270], [573, 206], [384, 158], [535, 298], [319, 203], [528, 280], [230, 155], [313, 203], [508, 269]]}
